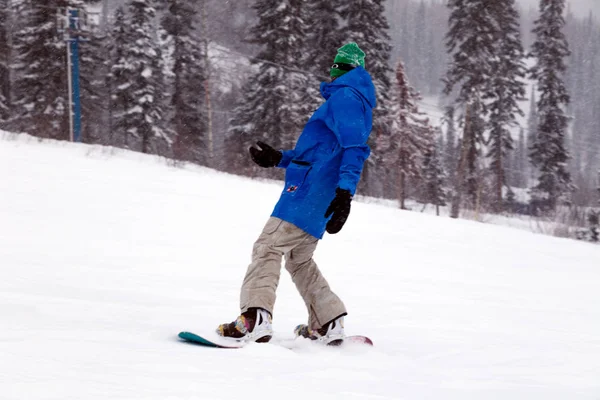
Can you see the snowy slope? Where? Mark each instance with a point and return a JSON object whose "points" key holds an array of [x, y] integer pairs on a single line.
{"points": [[105, 257]]}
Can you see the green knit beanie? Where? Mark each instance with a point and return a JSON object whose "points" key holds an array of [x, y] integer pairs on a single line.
{"points": [[347, 54]]}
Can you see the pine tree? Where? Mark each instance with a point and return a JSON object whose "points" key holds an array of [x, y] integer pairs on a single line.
{"points": [[450, 153], [440, 143], [473, 137], [5, 53], [279, 97], [141, 71], [471, 42], [468, 172], [506, 88], [589, 95], [366, 24], [594, 221], [434, 176], [104, 17], [120, 99], [549, 154], [94, 91], [188, 119], [582, 80], [591, 105], [532, 128], [411, 136], [40, 86], [520, 165], [325, 36]]}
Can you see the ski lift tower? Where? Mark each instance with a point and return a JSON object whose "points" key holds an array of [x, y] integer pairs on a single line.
{"points": [[70, 23]]}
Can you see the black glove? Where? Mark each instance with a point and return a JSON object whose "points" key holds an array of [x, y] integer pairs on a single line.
{"points": [[265, 155], [340, 208]]}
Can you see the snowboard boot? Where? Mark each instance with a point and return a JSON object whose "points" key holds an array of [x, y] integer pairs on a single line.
{"points": [[252, 326], [331, 334]]}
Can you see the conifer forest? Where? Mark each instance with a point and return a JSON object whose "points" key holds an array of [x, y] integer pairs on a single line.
{"points": [[483, 106]]}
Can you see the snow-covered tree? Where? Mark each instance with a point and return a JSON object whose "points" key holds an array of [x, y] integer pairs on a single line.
{"points": [[367, 25], [549, 154], [105, 17], [94, 64], [440, 143], [450, 156], [325, 35], [277, 100], [588, 102], [471, 43], [434, 176], [119, 100], [468, 172], [5, 52], [411, 136], [139, 70], [504, 91], [40, 87], [532, 127], [582, 80], [39, 61], [188, 119], [519, 165], [472, 139], [594, 221]]}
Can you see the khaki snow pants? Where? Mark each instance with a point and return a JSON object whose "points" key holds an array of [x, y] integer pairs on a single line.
{"points": [[280, 238]]}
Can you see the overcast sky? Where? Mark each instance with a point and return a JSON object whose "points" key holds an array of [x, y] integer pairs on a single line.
{"points": [[581, 7]]}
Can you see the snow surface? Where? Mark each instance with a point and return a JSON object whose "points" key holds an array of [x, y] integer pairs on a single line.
{"points": [[106, 255]]}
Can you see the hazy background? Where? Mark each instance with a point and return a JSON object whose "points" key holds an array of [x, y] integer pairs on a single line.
{"points": [[580, 7]]}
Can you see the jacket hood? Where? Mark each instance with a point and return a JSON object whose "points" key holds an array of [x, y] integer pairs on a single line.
{"points": [[358, 79]]}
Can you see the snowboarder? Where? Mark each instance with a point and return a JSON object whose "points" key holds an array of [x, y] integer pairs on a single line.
{"points": [[322, 173]]}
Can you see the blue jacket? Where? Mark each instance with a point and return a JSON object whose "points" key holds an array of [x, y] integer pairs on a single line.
{"points": [[330, 152]]}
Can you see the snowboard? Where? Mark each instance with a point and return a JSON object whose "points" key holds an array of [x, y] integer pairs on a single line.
{"points": [[219, 342]]}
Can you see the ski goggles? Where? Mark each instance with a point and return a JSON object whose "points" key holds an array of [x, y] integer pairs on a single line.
{"points": [[343, 66]]}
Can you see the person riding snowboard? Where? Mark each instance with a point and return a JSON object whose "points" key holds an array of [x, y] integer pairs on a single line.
{"points": [[322, 173]]}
